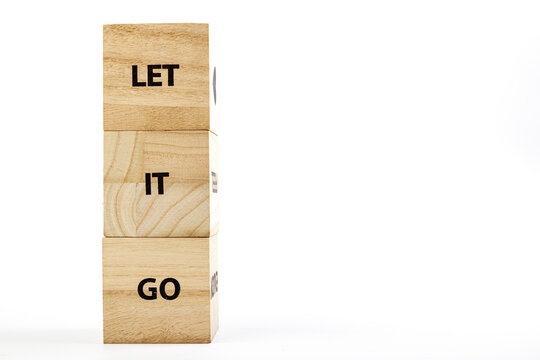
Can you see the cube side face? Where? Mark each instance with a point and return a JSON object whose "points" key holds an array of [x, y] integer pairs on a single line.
{"points": [[158, 184], [157, 290], [213, 79], [156, 77], [214, 288], [214, 182]]}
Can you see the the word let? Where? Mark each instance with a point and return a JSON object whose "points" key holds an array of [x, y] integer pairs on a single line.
{"points": [[151, 75]]}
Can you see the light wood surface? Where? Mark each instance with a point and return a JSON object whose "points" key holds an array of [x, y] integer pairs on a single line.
{"points": [[214, 184], [161, 184], [184, 106], [187, 208], [189, 318], [214, 300]]}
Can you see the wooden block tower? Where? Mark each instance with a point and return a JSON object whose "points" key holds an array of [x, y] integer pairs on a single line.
{"points": [[160, 184]]}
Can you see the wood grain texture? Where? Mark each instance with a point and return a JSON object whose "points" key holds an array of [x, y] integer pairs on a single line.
{"points": [[214, 187], [184, 106], [128, 318], [214, 301], [188, 206]]}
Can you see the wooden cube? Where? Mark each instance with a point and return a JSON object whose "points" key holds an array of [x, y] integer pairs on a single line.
{"points": [[160, 184], [160, 290], [158, 77]]}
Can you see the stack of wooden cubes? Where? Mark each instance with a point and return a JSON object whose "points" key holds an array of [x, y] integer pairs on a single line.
{"points": [[160, 184]]}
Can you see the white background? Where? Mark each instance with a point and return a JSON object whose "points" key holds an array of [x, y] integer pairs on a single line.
{"points": [[379, 179]]}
